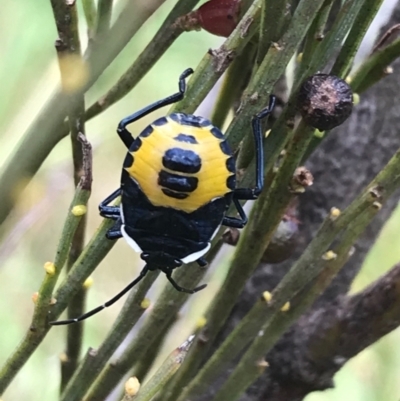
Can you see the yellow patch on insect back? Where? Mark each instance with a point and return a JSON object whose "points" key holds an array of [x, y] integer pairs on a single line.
{"points": [[212, 177], [267, 296], [50, 268], [79, 210], [201, 322], [88, 283], [145, 303], [132, 386], [285, 307]]}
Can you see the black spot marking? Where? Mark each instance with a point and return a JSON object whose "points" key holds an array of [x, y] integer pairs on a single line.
{"points": [[172, 194], [147, 131], [190, 119], [160, 121], [137, 143], [184, 161], [231, 165], [217, 133], [176, 182], [186, 138], [231, 182], [128, 160], [225, 148]]}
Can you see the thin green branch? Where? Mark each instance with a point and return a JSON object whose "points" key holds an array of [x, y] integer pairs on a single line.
{"points": [[104, 12], [76, 307], [363, 20], [315, 36], [215, 62], [165, 372], [132, 310], [47, 129], [39, 326], [274, 18], [374, 67], [265, 217], [70, 60], [143, 366], [89, 9], [233, 82], [170, 30], [167, 305], [273, 66], [305, 270]]}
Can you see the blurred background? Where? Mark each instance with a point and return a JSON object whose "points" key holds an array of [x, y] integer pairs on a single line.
{"points": [[28, 76]]}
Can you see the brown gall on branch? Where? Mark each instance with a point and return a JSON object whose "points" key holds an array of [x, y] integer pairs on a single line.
{"points": [[325, 101]]}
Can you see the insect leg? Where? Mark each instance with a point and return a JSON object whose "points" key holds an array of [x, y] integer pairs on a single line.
{"points": [[125, 135]]}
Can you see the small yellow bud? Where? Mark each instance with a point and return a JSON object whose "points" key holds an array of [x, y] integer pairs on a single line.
{"points": [[132, 386], [35, 297], [319, 134], [79, 210], [267, 296], [145, 303], [348, 79], [64, 357], [299, 57], [285, 307], [377, 205], [267, 133], [201, 322], [330, 255], [388, 70], [53, 301], [334, 213], [50, 268], [356, 99], [88, 283], [262, 365]]}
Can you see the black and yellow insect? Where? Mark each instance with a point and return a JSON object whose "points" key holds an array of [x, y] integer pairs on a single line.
{"points": [[178, 180]]}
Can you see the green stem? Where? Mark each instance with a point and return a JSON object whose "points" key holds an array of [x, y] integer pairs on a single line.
{"points": [[167, 305], [373, 68], [305, 270], [235, 78], [104, 12], [164, 38], [273, 66], [86, 373], [89, 9], [165, 372], [39, 326], [274, 18], [363, 20], [69, 52], [48, 129], [265, 217], [215, 62]]}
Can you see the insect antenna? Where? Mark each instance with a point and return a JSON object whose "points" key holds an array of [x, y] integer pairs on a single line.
{"points": [[106, 305]]}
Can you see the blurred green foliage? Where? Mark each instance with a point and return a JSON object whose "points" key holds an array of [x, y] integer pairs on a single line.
{"points": [[28, 75]]}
